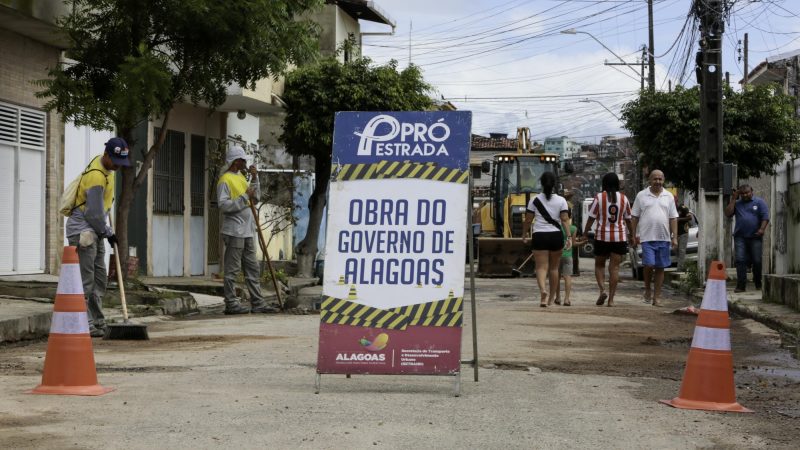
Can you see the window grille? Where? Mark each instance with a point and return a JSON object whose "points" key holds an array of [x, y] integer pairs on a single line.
{"points": [[168, 174]]}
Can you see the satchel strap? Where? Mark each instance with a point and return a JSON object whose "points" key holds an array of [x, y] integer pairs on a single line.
{"points": [[546, 215]]}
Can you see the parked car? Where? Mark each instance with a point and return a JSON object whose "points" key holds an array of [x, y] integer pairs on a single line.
{"points": [[637, 269]]}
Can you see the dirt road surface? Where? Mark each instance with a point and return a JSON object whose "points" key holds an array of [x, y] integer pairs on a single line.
{"points": [[559, 377]]}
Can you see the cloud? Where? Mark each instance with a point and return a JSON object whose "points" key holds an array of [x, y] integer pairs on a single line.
{"points": [[479, 54]]}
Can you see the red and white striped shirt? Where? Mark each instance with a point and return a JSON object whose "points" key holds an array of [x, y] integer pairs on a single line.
{"points": [[610, 217]]}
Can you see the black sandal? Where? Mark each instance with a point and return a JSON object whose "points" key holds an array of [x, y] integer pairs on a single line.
{"points": [[601, 299]]}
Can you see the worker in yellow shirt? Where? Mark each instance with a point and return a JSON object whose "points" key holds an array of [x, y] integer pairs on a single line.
{"points": [[87, 226], [238, 230]]}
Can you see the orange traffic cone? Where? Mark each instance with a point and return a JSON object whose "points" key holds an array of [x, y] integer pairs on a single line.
{"points": [[708, 379], [69, 364]]}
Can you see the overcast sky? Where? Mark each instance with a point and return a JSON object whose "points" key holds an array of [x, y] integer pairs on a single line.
{"points": [[480, 53]]}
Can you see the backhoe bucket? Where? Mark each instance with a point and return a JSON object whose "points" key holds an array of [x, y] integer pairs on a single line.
{"points": [[499, 257]]}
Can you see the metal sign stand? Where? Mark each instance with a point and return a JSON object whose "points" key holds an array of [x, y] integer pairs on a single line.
{"points": [[473, 306]]}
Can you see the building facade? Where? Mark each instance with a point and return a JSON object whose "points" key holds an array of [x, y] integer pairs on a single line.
{"points": [[565, 147], [31, 140], [782, 190]]}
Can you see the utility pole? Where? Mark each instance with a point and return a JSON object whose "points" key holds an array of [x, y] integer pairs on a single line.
{"points": [[710, 13], [651, 47], [746, 69], [644, 55]]}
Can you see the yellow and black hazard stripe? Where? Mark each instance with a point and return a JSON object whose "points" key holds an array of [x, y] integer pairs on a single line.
{"points": [[397, 169], [351, 313], [449, 305], [440, 313], [395, 322], [444, 320]]}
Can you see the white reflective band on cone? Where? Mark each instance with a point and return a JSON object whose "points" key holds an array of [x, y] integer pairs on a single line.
{"points": [[70, 323], [70, 280], [712, 338], [715, 298]]}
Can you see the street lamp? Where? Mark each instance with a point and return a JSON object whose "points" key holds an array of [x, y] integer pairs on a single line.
{"points": [[588, 100], [574, 31]]}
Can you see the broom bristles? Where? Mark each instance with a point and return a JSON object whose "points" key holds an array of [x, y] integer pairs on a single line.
{"points": [[126, 331]]}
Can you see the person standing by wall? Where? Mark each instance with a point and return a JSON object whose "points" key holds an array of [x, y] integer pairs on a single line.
{"points": [[752, 218], [87, 226], [238, 231], [611, 211], [655, 227], [685, 221], [548, 239]]}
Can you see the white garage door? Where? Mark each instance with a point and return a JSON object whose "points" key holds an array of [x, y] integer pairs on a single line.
{"points": [[22, 169]]}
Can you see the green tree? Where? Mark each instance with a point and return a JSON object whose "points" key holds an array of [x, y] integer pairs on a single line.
{"points": [[133, 60], [314, 94], [759, 126]]}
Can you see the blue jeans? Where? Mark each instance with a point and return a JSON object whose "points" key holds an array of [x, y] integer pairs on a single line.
{"points": [[748, 251]]}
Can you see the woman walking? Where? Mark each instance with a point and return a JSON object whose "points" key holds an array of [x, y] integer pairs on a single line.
{"points": [[611, 212], [548, 238]]}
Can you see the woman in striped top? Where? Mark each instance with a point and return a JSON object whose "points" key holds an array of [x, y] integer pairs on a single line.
{"points": [[611, 214]]}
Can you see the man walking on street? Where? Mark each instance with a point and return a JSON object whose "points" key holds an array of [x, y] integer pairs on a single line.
{"points": [[655, 227], [87, 226], [234, 195], [752, 218]]}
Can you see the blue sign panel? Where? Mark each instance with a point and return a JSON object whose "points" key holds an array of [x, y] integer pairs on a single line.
{"points": [[436, 136]]}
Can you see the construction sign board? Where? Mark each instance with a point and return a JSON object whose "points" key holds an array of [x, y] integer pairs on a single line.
{"points": [[393, 286]]}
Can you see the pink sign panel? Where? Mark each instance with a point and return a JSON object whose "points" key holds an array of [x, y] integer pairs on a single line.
{"points": [[415, 350]]}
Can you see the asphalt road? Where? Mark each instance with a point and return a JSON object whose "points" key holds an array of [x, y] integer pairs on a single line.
{"points": [[559, 377]]}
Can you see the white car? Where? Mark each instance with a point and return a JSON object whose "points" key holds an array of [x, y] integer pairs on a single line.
{"points": [[691, 251]]}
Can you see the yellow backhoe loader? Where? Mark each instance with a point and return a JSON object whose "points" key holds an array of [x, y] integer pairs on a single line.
{"points": [[515, 180]]}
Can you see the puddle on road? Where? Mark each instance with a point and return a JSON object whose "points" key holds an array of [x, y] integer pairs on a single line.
{"points": [[780, 364], [112, 369], [507, 366], [681, 342]]}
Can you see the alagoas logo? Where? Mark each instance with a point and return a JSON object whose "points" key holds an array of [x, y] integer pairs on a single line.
{"points": [[377, 344], [360, 357], [416, 139]]}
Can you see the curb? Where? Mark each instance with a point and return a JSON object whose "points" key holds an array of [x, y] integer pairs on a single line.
{"points": [[753, 312]]}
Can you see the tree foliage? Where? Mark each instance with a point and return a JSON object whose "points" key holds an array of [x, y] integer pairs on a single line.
{"points": [[133, 60], [314, 94], [759, 126]]}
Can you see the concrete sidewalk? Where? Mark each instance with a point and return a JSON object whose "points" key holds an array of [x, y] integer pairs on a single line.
{"points": [[26, 302], [750, 304]]}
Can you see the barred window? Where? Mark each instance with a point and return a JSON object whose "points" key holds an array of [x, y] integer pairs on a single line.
{"points": [[168, 174]]}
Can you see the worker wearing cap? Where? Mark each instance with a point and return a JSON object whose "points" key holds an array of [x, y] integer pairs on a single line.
{"points": [[87, 226], [238, 230]]}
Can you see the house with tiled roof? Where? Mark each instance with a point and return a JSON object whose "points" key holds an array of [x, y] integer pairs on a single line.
{"points": [[483, 148]]}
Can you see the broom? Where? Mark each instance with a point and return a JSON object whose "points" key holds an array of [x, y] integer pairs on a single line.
{"points": [[263, 244], [126, 330], [516, 273]]}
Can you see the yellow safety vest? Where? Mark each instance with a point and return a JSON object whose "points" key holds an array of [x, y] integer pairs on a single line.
{"points": [[96, 175], [237, 183]]}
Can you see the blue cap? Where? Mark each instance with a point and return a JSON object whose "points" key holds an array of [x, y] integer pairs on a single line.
{"points": [[117, 149]]}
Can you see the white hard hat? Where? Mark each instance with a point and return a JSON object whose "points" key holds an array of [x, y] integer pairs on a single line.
{"points": [[235, 152]]}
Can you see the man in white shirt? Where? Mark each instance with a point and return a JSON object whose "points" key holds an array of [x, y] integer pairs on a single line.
{"points": [[655, 226]]}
